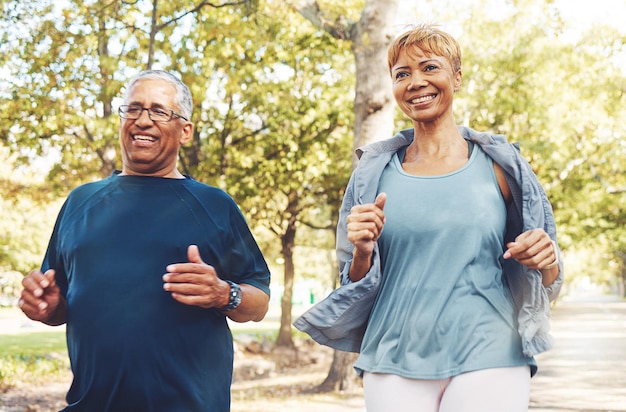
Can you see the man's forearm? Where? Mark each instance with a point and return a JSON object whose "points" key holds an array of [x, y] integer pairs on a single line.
{"points": [[253, 307]]}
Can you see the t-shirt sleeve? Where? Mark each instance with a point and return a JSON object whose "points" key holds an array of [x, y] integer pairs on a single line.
{"points": [[244, 261]]}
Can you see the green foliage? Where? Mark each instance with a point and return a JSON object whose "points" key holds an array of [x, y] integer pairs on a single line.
{"points": [[35, 357], [562, 98], [60, 77], [274, 128], [273, 105], [30, 226], [27, 213], [277, 135], [31, 369]]}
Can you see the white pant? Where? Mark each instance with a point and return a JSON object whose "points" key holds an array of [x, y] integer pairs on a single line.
{"points": [[487, 390]]}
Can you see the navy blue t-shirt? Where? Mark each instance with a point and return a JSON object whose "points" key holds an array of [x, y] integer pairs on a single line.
{"points": [[132, 347]]}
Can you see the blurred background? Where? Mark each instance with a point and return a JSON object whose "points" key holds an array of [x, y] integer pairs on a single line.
{"points": [[283, 93]]}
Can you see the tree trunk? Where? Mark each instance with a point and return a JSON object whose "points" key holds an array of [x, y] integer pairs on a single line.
{"points": [[373, 102], [341, 377], [370, 37], [288, 241], [621, 281], [373, 105]]}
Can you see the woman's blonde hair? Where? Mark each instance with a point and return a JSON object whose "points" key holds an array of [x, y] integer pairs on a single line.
{"points": [[430, 40]]}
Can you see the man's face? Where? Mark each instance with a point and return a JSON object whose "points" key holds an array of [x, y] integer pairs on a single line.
{"points": [[150, 148]]}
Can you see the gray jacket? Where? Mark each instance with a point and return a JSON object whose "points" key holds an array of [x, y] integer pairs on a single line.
{"points": [[339, 321]]}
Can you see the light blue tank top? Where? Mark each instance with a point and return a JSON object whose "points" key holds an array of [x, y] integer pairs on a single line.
{"points": [[442, 309]]}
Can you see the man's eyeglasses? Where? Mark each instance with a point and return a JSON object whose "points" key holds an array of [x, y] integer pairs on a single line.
{"points": [[133, 112]]}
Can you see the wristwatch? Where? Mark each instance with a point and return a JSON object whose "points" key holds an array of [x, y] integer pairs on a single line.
{"points": [[234, 297]]}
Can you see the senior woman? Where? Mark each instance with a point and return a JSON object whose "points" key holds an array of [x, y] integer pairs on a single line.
{"points": [[450, 302]]}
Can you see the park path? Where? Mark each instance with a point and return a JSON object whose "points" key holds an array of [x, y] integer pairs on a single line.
{"points": [[584, 372], [586, 369]]}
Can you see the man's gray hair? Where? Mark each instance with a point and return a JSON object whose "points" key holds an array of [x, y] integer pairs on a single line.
{"points": [[183, 96]]}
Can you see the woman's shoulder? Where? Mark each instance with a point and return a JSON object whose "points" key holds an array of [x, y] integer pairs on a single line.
{"points": [[392, 144], [494, 145], [483, 138]]}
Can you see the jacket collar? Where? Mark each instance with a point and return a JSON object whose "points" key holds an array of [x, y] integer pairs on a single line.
{"points": [[405, 137]]}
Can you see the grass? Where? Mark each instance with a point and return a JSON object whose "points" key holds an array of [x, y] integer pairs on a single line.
{"points": [[36, 357], [33, 357], [30, 356], [33, 344], [40, 356]]}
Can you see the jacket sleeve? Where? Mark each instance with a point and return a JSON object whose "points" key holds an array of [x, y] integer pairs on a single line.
{"points": [[343, 247], [546, 221], [554, 289], [339, 321], [532, 299]]}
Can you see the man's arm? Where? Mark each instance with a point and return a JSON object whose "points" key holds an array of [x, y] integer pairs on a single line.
{"points": [[253, 307], [41, 299], [196, 283]]}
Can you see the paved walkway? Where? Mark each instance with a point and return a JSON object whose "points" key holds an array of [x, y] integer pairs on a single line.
{"points": [[586, 369], [584, 372]]}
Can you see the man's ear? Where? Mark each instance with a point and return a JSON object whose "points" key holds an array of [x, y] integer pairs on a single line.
{"points": [[186, 133]]}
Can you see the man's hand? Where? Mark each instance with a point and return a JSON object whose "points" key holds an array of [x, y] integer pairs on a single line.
{"points": [[196, 283], [41, 298]]}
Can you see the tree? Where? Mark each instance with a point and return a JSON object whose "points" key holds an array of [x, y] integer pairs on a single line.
{"points": [[369, 38], [562, 98], [26, 210], [63, 73], [286, 121], [279, 147], [374, 108]]}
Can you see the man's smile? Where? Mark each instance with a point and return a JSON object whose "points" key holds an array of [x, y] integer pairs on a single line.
{"points": [[143, 138]]}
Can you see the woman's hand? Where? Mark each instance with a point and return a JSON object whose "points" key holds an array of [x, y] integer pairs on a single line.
{"points": [[364, 226], [536, 250]]}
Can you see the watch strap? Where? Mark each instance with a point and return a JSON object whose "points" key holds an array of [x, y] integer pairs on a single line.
{"points": [[234, 297]]}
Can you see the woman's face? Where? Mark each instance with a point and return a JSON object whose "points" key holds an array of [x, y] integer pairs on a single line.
{"points": [[424, 85]]}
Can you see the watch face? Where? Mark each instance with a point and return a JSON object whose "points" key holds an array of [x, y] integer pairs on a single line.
{"points": [[237, 295], [234, 297]]}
